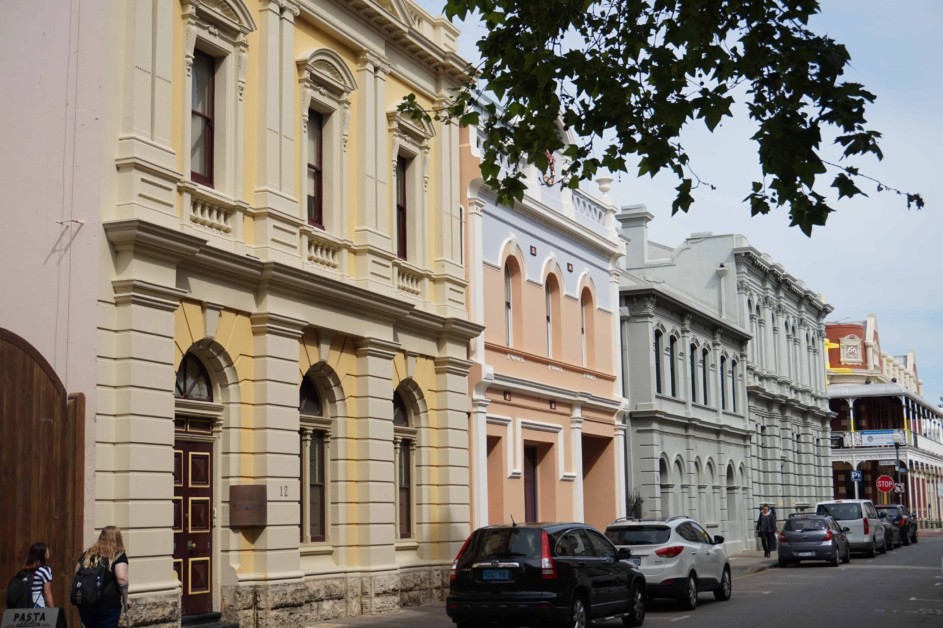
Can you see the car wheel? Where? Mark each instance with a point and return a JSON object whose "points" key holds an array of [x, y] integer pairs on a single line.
{"points": [[722, 592], [905, 538], [579, 615], [636, 614], [836, 558], [783, 563], [913, 539], [883, 548], [688, 598], [873, 550], [847, 557]]}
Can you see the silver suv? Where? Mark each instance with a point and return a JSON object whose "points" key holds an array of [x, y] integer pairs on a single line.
{"points": [[678, 558], [865, 529]]}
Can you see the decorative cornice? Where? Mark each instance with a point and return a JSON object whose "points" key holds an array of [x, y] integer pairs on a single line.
{"points": [[152, 295]]}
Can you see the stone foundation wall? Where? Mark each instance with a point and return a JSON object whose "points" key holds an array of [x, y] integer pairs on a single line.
{"points": [[156, 611], [321, 599]]}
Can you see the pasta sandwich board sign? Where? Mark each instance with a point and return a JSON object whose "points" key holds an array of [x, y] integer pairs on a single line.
{"points": [[30, 618]]}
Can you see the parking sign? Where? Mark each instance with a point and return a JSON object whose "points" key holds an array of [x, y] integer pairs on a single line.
{"points": [[856, 476]]}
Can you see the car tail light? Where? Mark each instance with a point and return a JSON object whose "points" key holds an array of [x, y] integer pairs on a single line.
{"points": [[867, 528], [453, 572], [901, 523], [548, 570], [828, 536], [670, 551]]}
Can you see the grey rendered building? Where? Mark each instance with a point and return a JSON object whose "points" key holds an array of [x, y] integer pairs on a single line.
{"points": [[766, 337]]}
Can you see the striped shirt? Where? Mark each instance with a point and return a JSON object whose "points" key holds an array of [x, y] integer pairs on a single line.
{"points": [[42, 576]]}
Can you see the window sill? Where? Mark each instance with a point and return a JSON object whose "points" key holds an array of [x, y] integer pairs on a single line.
{"points": [[405, 545], [317, 549]]}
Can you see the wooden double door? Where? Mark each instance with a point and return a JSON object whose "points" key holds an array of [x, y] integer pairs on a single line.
{"points": [[193, 524]]}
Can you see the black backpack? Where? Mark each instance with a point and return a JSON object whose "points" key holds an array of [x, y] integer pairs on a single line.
{"points": [[20, 590], [90, 583]]}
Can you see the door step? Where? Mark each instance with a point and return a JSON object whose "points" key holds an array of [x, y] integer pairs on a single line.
{"points": [[207, 620]]}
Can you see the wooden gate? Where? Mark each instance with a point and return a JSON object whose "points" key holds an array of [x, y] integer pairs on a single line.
{"points": [[42, 463]]}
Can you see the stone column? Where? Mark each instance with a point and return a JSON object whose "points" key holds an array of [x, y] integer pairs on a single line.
{"points": [[576, 452], [135, 434], [443, 516], [273, 458], [478, 459], [366, 475]]}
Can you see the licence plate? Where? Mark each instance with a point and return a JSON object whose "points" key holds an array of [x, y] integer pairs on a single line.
{"points": [[494, 574], [805, 554], [636, 561]]}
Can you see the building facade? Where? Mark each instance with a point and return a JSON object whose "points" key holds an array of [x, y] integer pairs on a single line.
{"points": [[783, 363], [545, 433], [273, 328], [882, 425]]}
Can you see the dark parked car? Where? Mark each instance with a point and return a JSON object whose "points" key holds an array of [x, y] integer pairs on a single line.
{"points": [[543, 574], [892, 536], [813, 537], [898, 515]]}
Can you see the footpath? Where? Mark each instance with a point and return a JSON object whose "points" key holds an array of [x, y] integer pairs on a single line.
{"points": [[430, 616]]}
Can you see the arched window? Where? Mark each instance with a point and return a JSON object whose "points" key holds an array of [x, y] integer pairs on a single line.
{"points": [[721, 380], [193, 382], [672, 358], [658, 349], [692, 364], [705, 383], [315, 436], [508, 307], [404, 442], [734, 364], [548, 310], [587, 328]]}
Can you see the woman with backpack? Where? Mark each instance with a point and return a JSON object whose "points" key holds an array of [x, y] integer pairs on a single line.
{"points": [[31, 587], [107, 553], [38, 559]]}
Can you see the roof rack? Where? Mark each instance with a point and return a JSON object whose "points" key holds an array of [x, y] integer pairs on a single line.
{"points": [[676, 517], [624, 519]]}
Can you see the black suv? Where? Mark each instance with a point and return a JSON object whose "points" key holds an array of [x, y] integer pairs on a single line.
{"points": [[543, 574], [900, 517]]}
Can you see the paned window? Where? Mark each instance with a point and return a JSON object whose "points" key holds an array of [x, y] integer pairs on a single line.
{"points": [[202, 118], [402, 166], [315, 439], [315, 182], [658, 348], [193, 382]]}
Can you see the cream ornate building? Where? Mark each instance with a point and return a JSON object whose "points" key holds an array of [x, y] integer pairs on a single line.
{"points": [[277, 418]]}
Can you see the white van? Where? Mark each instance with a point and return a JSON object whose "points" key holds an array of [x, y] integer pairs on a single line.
{"points": [[866, 532]]}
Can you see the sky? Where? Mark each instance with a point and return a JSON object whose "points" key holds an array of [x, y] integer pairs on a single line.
{"points": [[874, 256]]}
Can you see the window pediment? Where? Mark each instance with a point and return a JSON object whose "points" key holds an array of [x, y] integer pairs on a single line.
{"points": [[326, 72], [232, 15]]}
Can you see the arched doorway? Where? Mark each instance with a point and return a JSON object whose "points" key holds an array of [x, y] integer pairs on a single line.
{"points": [[42, 453]]}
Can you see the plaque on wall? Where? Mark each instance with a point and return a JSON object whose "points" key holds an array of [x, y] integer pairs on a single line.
{"points": [[248, 506]]}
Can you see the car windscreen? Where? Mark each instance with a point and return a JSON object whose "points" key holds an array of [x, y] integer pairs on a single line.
{"points": [[639, 535], [841, 512], [797, 524], [892, 513], [522, 542]]}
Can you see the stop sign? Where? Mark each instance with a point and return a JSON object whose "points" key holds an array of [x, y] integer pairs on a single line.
{"points": [[885, 484]]}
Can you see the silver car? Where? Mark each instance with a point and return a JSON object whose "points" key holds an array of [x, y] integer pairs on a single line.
{"points": [[813, 537], [865, 530]]}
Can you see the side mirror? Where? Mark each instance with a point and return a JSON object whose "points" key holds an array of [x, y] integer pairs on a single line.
{"points": [[624, 553], [846, 529], [718, 540], [882, 515]]}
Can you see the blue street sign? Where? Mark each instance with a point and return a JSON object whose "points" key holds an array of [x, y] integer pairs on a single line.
{"points": [[856, 476]]}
